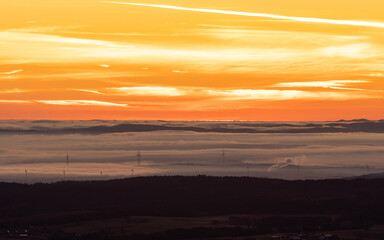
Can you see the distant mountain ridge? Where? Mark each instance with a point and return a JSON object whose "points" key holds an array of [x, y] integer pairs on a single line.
{"points": [[369, 176], [341, 126]]}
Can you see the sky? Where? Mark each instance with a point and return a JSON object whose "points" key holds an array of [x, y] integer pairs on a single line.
{"points": [[268, 60]]}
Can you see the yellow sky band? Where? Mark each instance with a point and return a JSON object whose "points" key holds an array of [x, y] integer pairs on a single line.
{"points": [[265, 15]]}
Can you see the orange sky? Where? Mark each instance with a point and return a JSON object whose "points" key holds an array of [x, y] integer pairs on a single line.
{"points": [[192, 60]]}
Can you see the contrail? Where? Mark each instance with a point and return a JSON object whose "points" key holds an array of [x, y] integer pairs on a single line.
{"points": [[265, 15]]}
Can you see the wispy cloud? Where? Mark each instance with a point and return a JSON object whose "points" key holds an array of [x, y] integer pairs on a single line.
{"points": [[335, 84], [242, 94], [263, 15], [82, 103], [360, 50], [21, 35], [178, 71], [12, 72], [374, 74], [77, 75], [266, 54], [39, 29], [250, 94], [323, 43], [278, 95], [15, 90], [148, 91], [112, 33], [105, 65], [89, 91], [14, 101]]}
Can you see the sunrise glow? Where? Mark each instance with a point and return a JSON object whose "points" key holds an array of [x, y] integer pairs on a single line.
{"points": [[191, 60]]}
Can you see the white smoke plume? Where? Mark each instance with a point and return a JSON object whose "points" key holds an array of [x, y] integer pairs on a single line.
{"points": [[287, 162], [281, 164]]}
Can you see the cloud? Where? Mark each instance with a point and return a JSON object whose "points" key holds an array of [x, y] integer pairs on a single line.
{"points": [[256, 94], [212, 95], [14, 101], [283, 38], [22, 35], [186, 152], [148, 91], [336, 84], [16, 90], [272, 94], [80, 75], [82, 103], [89, 91], [44, 29], [263, 15], [105, 65], [178, 71], [113, 33], [237, 94], [21, 47], [12, 72], [269, 52], [374, 74], [358, 50]]}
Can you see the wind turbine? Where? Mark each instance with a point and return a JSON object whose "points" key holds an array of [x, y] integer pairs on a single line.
{"points": [[26, 177], [138, 157], [223, 156], [67, 159], [132, 171], [298, 168]]}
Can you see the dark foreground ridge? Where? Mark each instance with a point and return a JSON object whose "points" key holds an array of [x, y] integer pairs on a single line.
{"points": [[330, 204]]}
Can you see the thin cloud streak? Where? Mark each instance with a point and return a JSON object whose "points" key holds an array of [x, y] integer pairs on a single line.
{"points": [[299, 19], [148, 91], [16, 90], [203, 93], [14, 101], [89, 91], [82, 103], [12, 72], [105, 65], [238, 94], [325, 84], [277, 95]]}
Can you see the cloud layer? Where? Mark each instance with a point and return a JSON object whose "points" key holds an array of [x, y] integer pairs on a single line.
{"points": [[320, 154]]}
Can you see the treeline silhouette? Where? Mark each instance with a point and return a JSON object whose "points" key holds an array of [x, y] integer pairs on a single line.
{"points": [[359, 201]]}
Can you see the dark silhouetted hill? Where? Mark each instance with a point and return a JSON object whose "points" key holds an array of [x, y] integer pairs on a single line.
{"points": [[188, 196]]}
